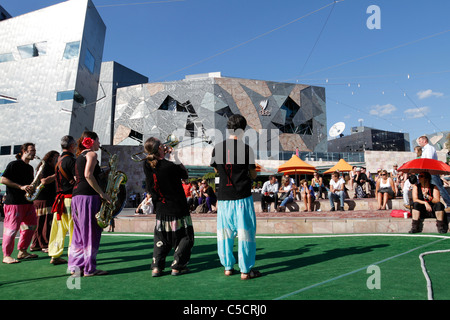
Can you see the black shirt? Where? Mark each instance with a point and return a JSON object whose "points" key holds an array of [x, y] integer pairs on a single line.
{"points": [[164, 184], [68, 166], [82, 186], [49, 191], [233, 159], [21, 173]]}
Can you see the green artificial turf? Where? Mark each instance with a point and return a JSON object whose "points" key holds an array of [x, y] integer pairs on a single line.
{"points": [[329, 268]]}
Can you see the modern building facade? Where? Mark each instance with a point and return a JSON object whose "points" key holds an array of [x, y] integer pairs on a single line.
{"points": [[50, 62], [283, 116], [113, 75], [365, 138]]}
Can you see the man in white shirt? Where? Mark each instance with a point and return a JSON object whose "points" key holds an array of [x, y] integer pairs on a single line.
{"points": [[269, 193], [336, 191], [429, 152]]}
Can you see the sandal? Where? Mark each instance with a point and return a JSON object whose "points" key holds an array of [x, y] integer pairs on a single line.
{"points": [[26, 255], [10, 260], [229, 272], [251, 275], [97, 273], [56, 261]]}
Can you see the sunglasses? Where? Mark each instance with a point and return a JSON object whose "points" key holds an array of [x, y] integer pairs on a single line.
{"points": [[421, 175], [383, 174]]}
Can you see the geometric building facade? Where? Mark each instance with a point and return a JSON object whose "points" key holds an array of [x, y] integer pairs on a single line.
{"points": [[113, 75], [50, 63], [284, 116]]}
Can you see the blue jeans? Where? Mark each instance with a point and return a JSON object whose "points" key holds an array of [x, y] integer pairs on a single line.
{"points": [[335, 196], [436, 180], [287, 200]]}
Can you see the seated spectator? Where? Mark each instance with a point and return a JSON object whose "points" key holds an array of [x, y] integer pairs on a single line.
{"points": [[384, 190], [287, 192], [194, 196], [337, 191], [427, 204], [307, 193], [410, 181], [361, 182], [146, 206], [269, 194], [210, 197], [317, 185], [187, 191]]}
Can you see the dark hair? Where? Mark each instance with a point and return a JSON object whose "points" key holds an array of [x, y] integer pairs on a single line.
{"points": [[151, 147], [236, 121], [66, 141], [24, 148], [426, 175], [412, 179], [48, 156], [89, 134]]}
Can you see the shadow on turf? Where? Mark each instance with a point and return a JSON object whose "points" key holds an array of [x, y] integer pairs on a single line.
{"points": [[293, 259]]}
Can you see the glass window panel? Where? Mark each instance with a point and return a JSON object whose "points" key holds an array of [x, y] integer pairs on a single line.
{"points": [[5, 57], [70, 95], [5, 150], [72, 50], [89, 61], [64, 95], [33, 50]]}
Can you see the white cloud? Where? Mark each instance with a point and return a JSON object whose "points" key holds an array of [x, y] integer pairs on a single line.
{"points": [[382, 110], [428, 93], [415, 113]]}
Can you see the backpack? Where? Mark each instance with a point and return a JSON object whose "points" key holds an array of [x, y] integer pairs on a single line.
{"points": [[201, 208]]}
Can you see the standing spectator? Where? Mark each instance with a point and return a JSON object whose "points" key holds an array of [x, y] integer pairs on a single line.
{"points": [[429, 152], [269, 193], [235, 162], [337, 191]]}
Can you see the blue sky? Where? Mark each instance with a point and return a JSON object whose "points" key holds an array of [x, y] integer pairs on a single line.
{"points": [[395, 78]]}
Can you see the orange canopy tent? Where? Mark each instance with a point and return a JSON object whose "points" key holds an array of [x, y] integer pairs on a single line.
{"points": [[295, 165], [341, 166]]}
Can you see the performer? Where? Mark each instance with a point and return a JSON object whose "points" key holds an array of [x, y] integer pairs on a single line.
{"points": [[235, 163], [62, 210], [86, 202], [173, 227], [19, 213], [427, 204], [44, 202]]}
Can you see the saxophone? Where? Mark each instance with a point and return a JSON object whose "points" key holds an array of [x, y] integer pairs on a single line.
{"points": [[115, 179], [36, 184]]}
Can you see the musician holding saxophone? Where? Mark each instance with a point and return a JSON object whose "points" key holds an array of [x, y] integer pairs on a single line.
{"points": [[86, 202], [19, 212]]}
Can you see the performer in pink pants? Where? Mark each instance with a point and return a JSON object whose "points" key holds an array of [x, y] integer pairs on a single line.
{"points": [[19, 213]]}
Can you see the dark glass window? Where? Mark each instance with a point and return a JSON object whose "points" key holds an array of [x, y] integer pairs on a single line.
{"points": [[70, 95], [89, 61], [33, 50], [5, 150]]}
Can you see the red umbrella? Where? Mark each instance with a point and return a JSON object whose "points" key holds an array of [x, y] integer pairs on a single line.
{"points": [[434, 167]]}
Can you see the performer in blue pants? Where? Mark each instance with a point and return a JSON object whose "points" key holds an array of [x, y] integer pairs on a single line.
{"points": [[235, 162]]}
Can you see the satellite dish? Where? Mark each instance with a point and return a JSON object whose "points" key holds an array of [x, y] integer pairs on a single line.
{"points": [[336, 129]]}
